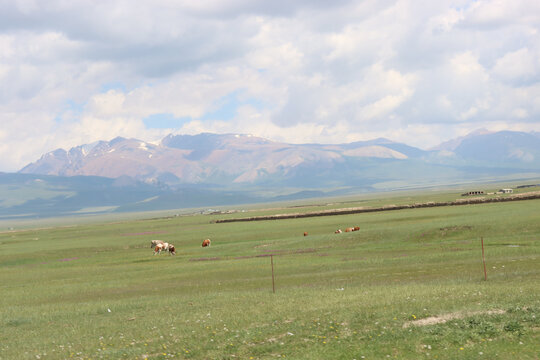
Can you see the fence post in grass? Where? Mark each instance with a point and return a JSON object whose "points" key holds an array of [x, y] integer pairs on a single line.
{"points": [[483, 259], [272, 263]]}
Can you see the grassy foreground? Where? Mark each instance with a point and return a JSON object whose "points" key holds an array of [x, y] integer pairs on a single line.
{"points": [[408, 285]]}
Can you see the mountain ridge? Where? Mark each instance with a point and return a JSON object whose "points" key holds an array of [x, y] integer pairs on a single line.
{"points": [[245, 159], [200, 158], [240, 159], [186, 171]]}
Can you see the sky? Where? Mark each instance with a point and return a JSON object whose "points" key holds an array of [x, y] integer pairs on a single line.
{"points": [[304, 71]]}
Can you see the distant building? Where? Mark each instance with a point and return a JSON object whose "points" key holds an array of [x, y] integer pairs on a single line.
{"points": [[506, 191], [478, 192]]}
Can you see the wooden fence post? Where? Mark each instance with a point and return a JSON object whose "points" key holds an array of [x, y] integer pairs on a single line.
{"points": [[273, 284], [484, 259]]}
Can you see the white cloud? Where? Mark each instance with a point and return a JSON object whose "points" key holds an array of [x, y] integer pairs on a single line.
{"points": [[304, 71], [520, 113], [446, 21], [519, 66], [496, 13]]}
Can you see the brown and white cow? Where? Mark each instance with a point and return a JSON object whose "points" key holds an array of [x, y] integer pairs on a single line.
{"points": [[349, 229], [206, 243], [338, 231], [158, 248], [164, 247]]}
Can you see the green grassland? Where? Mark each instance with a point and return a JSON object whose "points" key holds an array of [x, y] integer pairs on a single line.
{"points": [[95, 291]]}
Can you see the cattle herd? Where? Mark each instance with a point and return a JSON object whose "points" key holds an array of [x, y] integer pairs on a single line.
{"points": [[159, 245], [349, 229], [339, 231]]}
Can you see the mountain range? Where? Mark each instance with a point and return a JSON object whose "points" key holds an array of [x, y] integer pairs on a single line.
{"points": [[209, 169], [227, 160], [208, 158]]}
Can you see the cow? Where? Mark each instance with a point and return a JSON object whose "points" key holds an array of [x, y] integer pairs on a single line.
{"points": [[305, 233], [349, 229], [206, 243], [153, 243], [356, 228], [164, 247], [338, 231], [158, 248]]}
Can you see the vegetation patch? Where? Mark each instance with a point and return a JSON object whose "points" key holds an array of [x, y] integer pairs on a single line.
{"points": [[377, 293]]}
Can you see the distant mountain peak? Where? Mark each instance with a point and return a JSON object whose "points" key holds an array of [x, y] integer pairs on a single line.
{"points": [[452, 144], [117, 140], [503, 146]]}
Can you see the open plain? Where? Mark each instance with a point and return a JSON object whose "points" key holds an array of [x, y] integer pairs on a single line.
{"points": [[409, 284]]}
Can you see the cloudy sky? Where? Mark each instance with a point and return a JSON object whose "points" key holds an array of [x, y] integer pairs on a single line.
{"points": [[419, 72]]}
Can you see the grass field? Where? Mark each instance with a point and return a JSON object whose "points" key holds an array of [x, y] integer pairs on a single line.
{"points": [[408, 285]]}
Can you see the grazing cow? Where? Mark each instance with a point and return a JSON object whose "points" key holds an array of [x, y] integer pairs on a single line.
{"points": [[206, 243], [356, 228], [305, 234], [349, 229], [154, 243], [164, 247], [158, 248], [338, 231]]}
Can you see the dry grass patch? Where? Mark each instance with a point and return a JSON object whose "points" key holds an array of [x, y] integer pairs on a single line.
{"points": [[441, 319]]}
